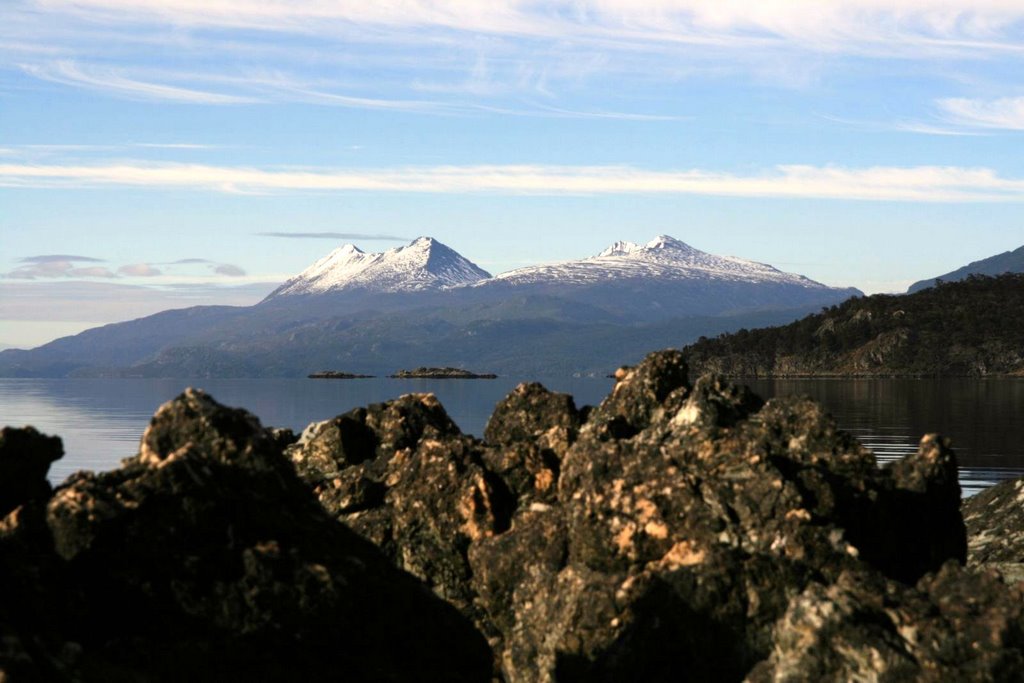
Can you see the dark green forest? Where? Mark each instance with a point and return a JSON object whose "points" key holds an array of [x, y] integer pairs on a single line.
{"points": [[974, 327]]}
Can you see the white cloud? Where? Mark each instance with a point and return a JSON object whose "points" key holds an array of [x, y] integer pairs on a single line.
{"points": [[113, 81], [882, 183], [822, 25], [139, 270], [1006, 112]]}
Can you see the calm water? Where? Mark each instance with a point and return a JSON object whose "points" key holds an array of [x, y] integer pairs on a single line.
{"points": [[101, 420]]}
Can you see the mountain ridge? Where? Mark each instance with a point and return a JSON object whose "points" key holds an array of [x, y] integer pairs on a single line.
{"points": [[425, 304], [957, 329], [1007, 262]]}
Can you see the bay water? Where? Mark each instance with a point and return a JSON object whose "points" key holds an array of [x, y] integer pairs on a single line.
{"points": [[101, 420]]}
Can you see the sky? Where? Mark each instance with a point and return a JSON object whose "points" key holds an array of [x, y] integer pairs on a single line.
{"points": [[164, 153]]}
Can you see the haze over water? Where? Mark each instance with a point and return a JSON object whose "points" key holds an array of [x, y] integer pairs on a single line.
{"points": [[101, 421]]}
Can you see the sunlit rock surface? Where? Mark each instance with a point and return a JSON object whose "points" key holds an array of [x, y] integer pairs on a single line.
{"points": [[678, 531]]}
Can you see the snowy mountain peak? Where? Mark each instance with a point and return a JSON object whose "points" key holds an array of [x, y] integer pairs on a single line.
{"points": [[662, 259], [620, 248], [665, 242], [423, 264]]}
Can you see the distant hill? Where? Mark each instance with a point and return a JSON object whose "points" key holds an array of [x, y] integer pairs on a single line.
{"points": [[1007, 262], [424, 304], [969, 328]]}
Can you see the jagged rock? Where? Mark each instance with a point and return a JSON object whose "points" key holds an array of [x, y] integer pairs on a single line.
{"points": [[995, 528], [206, 558], [954, 626], [676, 531], [692, 517], [25, 457], [402, 475], [528, 434], [529, 412]]}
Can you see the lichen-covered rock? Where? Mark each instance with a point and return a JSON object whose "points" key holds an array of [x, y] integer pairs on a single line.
{"points": [[995, 528], [403, 476], [530, 411], [677, 531], [692, 517], [527, 436], [206, 558], [954, 626], [25, 457]]}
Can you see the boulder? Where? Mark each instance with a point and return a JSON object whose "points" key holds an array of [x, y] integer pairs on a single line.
{"points": [[995, 528], [205, 558], [25, 457]]}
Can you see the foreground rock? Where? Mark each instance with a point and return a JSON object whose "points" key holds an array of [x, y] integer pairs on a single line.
{"points": [[674, 531], [677, 531], [995, 528], [205, 558], [25, 457]]}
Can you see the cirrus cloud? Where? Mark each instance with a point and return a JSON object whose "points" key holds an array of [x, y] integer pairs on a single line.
{"points": [[876, 183]]}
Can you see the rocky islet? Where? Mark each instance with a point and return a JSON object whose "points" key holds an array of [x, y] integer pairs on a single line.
{"points": [[677, 531]]}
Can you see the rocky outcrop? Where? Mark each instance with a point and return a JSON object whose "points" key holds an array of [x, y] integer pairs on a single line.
{"points": [[689, 528], [676, 531], [995, 529], [206, 558], [25, 457]]}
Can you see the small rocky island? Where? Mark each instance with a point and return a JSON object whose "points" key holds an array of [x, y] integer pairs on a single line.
{"points": [[335, 374], [680, 530], [440, 373]]}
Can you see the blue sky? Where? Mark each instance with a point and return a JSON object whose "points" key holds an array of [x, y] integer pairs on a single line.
{"points": [[148, 146]]}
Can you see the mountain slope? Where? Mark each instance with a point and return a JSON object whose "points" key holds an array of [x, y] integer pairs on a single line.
{"points": [[967, 328], [663, 258], [1007, 262], [424, 304], [667, 278], [424, 264]]}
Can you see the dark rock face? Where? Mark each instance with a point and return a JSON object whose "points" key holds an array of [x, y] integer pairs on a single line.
{"points": [[25, 457], [676, 531], [689, 528], [206, 558], [995, 529]]}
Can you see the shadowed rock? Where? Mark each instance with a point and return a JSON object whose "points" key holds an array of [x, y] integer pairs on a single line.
{"points": [[205, 558], [995, 529], [676, 531], [25, 457]]}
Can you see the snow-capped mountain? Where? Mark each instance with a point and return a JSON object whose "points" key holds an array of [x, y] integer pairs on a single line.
{"points": [[663, 258], [422, 265]]}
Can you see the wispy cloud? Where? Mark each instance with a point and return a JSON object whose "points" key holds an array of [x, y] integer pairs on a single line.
{"points": [[383, 55], [335, 236], [139, 270], [58, 258], [1005, 113], [836, 25], [228, 270], [58, 269], [115, 82], [880, 183]]}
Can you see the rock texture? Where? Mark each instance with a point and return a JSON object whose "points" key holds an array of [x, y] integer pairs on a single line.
{"points": [[678, 531], [995, 529], [205, 558]]}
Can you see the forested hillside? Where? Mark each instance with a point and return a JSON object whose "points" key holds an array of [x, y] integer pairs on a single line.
{"points": [[970, 328]]}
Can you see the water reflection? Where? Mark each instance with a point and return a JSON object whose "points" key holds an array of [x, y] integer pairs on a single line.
{"points": [[983, 418], [101, 420]]}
